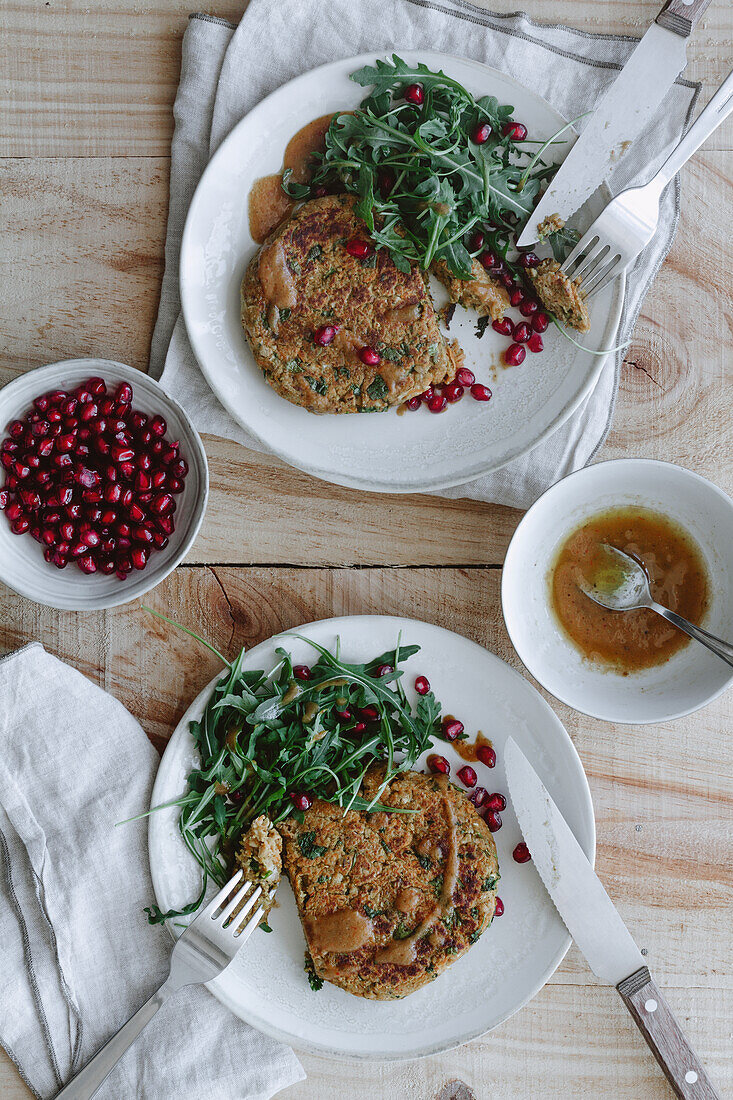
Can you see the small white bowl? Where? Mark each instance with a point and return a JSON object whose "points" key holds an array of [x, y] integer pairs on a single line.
{"points": [[22, 565], [693, 676]]}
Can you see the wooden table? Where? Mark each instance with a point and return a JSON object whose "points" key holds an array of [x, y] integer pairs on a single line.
{"points": [[85, 95]]}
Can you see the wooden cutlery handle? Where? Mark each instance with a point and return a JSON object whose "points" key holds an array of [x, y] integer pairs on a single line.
{"points": [[682, 16], [665, 1037]]}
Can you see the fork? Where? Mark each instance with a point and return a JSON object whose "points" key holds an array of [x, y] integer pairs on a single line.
{"points": [[629, 222], [207, 946]]}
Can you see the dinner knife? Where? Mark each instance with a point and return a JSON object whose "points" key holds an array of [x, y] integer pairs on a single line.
{"points": [[595, 925], [620, 115]]}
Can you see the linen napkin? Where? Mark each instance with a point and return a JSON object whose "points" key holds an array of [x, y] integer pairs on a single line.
{"points": [[226, 70], [77, 956]]}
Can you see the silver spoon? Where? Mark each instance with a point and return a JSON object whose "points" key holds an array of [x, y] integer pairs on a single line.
{"points": [[621, 584]]}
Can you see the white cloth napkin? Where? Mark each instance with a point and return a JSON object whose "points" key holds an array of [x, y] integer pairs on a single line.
{"points": [[77, 956], [226, 70]]}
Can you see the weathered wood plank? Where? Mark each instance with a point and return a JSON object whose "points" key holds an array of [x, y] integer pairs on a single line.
{"points": [[99, 80]]}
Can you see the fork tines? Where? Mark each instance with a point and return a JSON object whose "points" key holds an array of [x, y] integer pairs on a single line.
{"points": [[592, 262]]}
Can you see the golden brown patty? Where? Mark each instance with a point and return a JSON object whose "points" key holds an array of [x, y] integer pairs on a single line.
{"points": [[302, 279], [481, 291], [560, 295], [389, 900]]}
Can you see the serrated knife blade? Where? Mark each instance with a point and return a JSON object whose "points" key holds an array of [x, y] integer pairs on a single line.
{"points": [[619, 117], [596, 927]]}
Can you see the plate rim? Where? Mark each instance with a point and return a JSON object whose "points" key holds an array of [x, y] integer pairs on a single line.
{"points": [[335, 477], [401, 623]]}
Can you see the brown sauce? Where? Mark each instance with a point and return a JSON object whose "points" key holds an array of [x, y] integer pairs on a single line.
{"points": [[275, 277], [310, 710], [467, 749], [341, 932], [268, 203], [407, 899], [402, 952], [630, 640], [292, 693]]}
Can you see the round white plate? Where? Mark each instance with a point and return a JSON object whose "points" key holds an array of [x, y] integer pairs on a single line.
{"points": [[266, 984], [387, 453]]}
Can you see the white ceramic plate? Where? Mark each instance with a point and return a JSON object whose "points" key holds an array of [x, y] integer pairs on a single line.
{"points": [[22, 565], [386, 453], [692, 677], [266, 984]]}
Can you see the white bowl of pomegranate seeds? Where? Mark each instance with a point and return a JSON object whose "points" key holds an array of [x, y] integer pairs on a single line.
{"points": [[689, 678], [103, 484]]}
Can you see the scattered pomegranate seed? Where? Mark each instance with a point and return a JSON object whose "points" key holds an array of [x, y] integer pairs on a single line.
{"points": [[493, 820], [343, 715], [521, 853], [487, 260], [522, 332], [481, 133], [325, 335], [382, 670], [467, 775], [476, 241], [302, 672], [507, 280], [516, 297], [369, 356], [529, 259], [437, 403], [503, 326], [453, 392], [477, 796], [370, 713], [535, 342], [452, 728], [480, 393], [528, 307], [540, 321], [514, 355], [422, 685], [438, 764], [498, 907], [486, 755], [359, 727], [514, 130], [465, 377], [414, 403], [414, 94], [496, 801], [427, 395], [301, 801]]}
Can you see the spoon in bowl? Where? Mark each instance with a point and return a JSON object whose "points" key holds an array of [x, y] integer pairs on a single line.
{"points": [[620, 583]]}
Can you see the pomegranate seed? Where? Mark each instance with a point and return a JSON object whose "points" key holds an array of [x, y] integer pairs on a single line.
{"points": [[136, 513], [493, 820], [87, 412], [481, 133], [66, 530], [158, 426], [30, 499], [360, 248], [369, 713], [516, 297], [163, 503], [486, 755], [386, 181], [65, 442], [123, 396], [535, 342], [343, 715], [529, 259], [40, 428], [467, 775], [143, 482], [176, 485], [325, 335], [16, 429], [498, 907], [169, 455], [506, 280], [437, 403], [480, 393], [13, 510], [453, 392], [540, 321], [4, 498], [54, 416], [476, 241], [92, 538], [452, 728], [89, 479], [521, 853], [86, 563], [413, 403], [359, 727], [382, 670], [465, 377], [369, 356], [139, 557], [522, 332], [106, 566], [78, 548], [302, 672], [487, 260], [138, 420], [503, 326], [414, 94], [7, 459], [127, 470], [528, 307], [142, 534], [159, 477], [21, 470], [106, 407], [160, 540], [478, 796], [180, 469], [438, 764], [165, 523], [42, 403], [422, 685], [301, 801], [496, 801], [84, 396], [514, 355], [96, 386], [121, 453], [427, 395], [514, 130]]}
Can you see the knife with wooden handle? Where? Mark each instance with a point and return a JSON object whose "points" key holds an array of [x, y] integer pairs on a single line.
{"points": [[620, 115], [595, 925]]}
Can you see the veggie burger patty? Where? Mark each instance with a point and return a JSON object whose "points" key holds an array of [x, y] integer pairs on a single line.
{"points": [[303, 279], [389, 900]]}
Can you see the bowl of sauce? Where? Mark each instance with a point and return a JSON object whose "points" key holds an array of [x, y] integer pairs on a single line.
{"points": [[623, 666]]}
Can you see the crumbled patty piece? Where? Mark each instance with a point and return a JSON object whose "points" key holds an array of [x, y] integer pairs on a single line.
{"points": [[553, 223], [481, 291], [560, 294], [304, 279], [389, 900], [260, 857]]}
